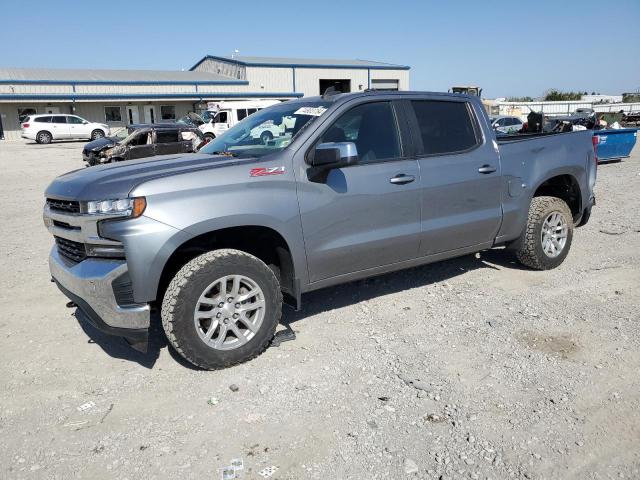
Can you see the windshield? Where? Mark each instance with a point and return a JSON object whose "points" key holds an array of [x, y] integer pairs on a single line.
{"points": [[207, 115], [121, 133], [267, 131]]}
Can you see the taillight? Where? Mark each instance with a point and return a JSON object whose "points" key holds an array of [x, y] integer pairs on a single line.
{"points": [[595, 139], [25, 125]]}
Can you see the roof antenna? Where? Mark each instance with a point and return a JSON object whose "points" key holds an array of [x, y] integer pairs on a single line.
{"points": [[235, 52]]}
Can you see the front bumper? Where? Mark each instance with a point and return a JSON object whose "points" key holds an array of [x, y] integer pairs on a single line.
{"points": [[91, 157], [89, 284]]}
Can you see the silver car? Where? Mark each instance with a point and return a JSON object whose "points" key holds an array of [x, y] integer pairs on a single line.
{"points": [[506, 124]]}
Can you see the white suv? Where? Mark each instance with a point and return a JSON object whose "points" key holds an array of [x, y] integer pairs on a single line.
{"points": [[46, 127]]}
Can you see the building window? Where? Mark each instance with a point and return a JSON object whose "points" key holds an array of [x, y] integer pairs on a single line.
{"points": [[24, 112], [379, 84], [168, 112], [112, 114]]}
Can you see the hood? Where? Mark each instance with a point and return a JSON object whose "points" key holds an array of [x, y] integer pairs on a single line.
{"points": [[116, 180], [100, 144]]}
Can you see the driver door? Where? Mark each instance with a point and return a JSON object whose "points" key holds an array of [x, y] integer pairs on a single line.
{"points": [[366, 215], [221, 122], [142, 146]]}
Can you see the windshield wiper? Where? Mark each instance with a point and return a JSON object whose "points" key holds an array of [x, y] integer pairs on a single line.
{"points": [[225, 153]]}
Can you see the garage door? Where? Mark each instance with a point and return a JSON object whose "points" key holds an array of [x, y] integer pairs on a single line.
{"points": [[384, 84]]}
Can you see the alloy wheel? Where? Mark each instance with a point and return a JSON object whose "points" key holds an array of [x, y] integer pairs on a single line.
{"points": [[229, 312]]}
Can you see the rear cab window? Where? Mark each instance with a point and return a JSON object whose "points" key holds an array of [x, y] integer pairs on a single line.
{"points": [[445, 126]]}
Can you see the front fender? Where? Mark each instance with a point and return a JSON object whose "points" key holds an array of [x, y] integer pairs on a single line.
{"points": [[148, 245], [201, 202]]}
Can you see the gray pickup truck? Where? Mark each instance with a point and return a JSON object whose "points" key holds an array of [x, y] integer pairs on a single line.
{"points": [[356, 185]]}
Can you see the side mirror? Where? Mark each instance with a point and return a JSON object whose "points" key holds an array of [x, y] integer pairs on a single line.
{"points": [[334, 155]]}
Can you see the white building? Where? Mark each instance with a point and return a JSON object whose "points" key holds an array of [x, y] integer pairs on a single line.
{"points": [[122, 97], [307, 76]]}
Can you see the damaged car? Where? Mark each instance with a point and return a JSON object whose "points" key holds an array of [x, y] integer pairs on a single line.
{"points": [[145, 141]]}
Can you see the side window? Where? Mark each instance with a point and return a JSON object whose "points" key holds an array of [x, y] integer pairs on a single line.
{"points": [[251, 111], [242, 113], [141, 138], [221, 117], [372, 127], [42, 119], [74, 120], [59, 119], [166, 136], [445, 127], [501, 122]]}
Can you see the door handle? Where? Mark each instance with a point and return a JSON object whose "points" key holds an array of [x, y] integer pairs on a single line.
{"points": [[402, 179], [487, 169]]}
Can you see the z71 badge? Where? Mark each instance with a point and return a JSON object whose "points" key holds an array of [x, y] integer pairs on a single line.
{"points": [[264, 171]]}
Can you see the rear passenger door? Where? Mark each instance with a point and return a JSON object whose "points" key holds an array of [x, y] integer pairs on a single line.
{"points": [[59, 127], [459, 176], [167, 141], [366, 215]]}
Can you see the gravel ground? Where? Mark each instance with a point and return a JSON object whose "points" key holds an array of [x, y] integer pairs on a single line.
{"points": [[471, 368]]}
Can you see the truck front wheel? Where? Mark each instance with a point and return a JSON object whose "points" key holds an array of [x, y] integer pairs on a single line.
{"points": [[222, 308], [546, 240]]}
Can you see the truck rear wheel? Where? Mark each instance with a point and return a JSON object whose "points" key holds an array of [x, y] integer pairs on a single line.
{"points": [[222, 308], [546, 240]]}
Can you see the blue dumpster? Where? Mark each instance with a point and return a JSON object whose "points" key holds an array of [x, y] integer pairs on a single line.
{"points": [[615, 144]]}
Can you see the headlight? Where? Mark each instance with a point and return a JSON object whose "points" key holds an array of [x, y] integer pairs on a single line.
{"points": [[125, 207]]}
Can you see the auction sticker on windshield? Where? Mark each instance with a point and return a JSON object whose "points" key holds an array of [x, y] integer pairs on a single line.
{"points": [[313, 111]]}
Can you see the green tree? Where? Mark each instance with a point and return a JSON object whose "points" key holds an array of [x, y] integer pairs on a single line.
{"points": [[553, 95]]}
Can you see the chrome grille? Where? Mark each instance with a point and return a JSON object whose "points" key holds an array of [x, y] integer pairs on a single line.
{"points": [[72, 250], [66, 206]]}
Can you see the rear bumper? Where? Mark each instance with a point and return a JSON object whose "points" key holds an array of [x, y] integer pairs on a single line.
{"points": [[89, 284]]}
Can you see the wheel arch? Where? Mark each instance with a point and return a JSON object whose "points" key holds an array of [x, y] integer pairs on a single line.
{"points": [[563, 185], [263, 242]]}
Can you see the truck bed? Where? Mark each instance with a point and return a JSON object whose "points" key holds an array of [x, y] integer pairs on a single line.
{"points": [[527, 160]]}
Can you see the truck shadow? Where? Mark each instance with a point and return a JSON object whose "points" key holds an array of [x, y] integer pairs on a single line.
{"points": [[314, 303], [340, 296], [117, 347]]}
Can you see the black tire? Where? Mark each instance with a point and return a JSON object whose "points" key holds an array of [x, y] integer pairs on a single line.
{"points": [[266, 137], [210, 136], [181, 298], [530, 250], [44, 137], [97, 133]]}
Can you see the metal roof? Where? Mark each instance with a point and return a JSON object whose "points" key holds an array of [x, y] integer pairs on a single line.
{"points": [[90, 76], [303, 62]]}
